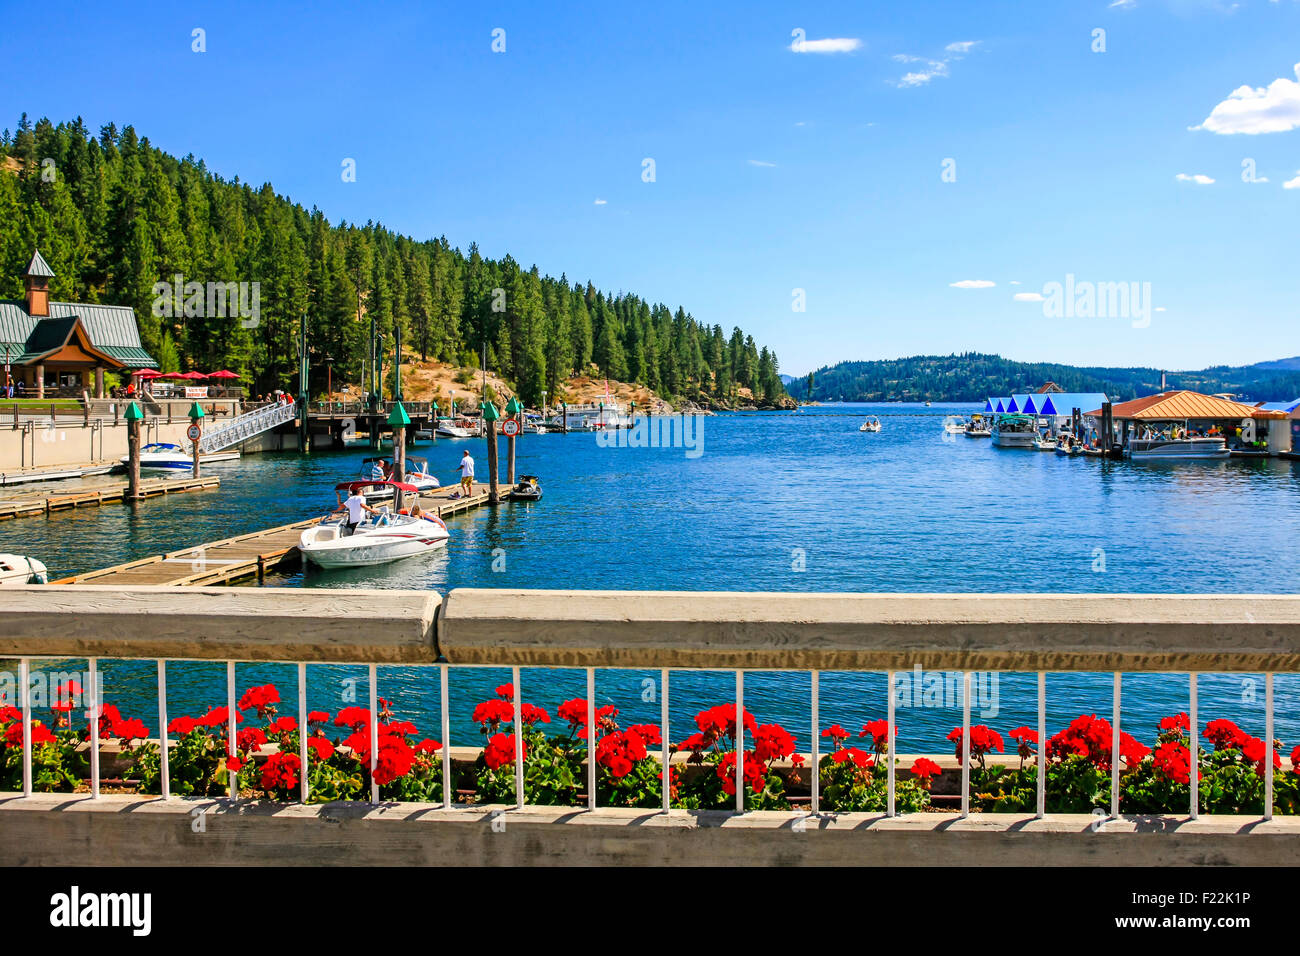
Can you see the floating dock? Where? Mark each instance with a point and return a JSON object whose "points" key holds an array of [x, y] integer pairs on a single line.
{"points": [[230, 559], [44, 502]]}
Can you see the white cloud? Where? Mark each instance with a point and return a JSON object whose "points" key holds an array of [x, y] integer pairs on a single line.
{"points": [[1160, 308], [1293, 183], [759, 162], [1270, 109], [921, 77], [600, 202], [829, 45], [1198, 178], [973, 284], [1028, 297], [1122, 4], [1015, 282], [933, 68]]}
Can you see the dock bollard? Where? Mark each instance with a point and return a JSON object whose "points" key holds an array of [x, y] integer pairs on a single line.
{"points": [[133, 418], [490, 416]]}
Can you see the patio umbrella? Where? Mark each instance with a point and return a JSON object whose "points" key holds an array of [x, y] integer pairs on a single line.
{"points": [[147, 373], [193, 376], [223, 374]]}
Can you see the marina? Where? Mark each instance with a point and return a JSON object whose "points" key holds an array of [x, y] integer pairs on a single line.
{"points": [[44, 502]]}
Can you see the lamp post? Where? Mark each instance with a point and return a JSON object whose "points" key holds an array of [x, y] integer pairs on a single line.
{"points": [[490, 416]]}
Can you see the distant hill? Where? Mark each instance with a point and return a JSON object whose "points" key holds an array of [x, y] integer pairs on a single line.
{"points": [[973, 376]]}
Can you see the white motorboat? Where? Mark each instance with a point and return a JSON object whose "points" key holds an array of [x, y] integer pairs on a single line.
{"points": [[458, 428], [978, 427], [1015, 431], [379, 539], [954, 425], [416, 473], [1042, 443], [162, 456], [1163, 448], [16, 569], [872, 424]]}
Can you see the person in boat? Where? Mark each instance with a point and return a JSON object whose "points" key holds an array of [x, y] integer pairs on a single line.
{"points": [[379, 470], [467, 473], [356, 507]]}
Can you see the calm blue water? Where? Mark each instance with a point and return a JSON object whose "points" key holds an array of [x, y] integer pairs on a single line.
{"points": [[776, 501]]}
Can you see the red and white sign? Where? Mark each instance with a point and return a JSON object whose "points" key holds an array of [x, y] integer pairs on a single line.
{"points": [[193, 432], [192, 391], [510, 428]]}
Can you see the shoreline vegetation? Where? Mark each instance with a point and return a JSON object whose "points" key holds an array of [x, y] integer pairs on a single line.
{"points": [[973, 376], [116, 218]]}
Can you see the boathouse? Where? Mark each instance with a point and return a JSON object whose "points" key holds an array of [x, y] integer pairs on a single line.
{"points": [[65, 347], [1196, 410]]}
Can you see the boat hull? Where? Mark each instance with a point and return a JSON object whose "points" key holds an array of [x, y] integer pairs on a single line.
{"points": [[1177, 449], [324, 547]]}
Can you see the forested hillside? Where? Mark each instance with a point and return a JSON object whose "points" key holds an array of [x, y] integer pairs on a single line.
{"points": [[113, 216], [972, 377]]}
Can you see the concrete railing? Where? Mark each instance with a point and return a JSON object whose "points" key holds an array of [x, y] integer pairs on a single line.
{"points": [[670, 631]]}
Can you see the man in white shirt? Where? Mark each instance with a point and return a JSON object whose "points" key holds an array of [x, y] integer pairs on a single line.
{"points": [[355, 506], [467, 473]]}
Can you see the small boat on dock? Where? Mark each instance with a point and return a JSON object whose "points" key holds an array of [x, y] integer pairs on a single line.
{"points": [[16, 569], [378, 539], [1043, 443], [872, 424], [162, 456], [417, 474]]}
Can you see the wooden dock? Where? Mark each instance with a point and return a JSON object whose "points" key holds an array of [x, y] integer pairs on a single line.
{"points": [[230, 559], [43, 502]]}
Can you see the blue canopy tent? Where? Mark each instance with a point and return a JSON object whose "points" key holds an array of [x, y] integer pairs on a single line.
{"points": [[1287, 407], [1061, 404]]}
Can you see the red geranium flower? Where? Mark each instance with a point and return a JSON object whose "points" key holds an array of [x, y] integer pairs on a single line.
{"points": [[353, 717], [259, 697], [427, 746], [233, 763], [219, 717], [1295, 760], [40, 734], [506, 692], [280, 772], [721, 721], [836, 733], [183, 725], [10, 713], [878, 731], [128, 730], [1174, 760], [317, 717], [753, 770], [1224, 734], [321, 745], [1130, 750], [925, 768], [282, 725], [1252, 750], [1175, 723], [500, 750], [649, 733], [982, 740], [494, 712], [772, 742], [532, 714], [250, 739], [573, 711], [859, 757]]}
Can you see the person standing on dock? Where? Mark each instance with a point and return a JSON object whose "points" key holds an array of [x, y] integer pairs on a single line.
{"points": [[467, 473]]}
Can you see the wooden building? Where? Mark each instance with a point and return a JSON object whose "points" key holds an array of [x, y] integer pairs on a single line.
{"points": [[65, 347]]}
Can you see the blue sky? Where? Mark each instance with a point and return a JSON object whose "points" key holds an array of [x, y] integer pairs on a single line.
{"points": [[776, 169]]}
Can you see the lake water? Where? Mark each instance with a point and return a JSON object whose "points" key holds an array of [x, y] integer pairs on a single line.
{"points": [[775, 502]]}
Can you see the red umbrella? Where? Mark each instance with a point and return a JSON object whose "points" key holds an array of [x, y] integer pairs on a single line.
{"points": [[194, 376], [223, 374], [147, 373]]}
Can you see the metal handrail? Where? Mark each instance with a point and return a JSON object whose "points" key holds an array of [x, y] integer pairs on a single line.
{"points": [[246, 426]]}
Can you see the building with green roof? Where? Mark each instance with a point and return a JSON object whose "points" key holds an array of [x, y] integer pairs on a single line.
{"points": [[50, 345]]}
